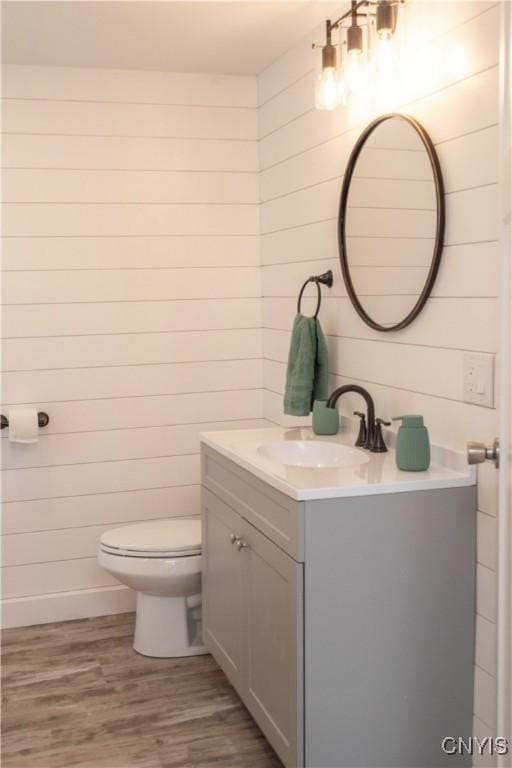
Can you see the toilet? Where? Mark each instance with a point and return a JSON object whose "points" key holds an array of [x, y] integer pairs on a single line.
{"points": [[161, 561]]}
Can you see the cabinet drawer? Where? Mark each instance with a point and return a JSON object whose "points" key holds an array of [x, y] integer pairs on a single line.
{"points": [[268, 510]]}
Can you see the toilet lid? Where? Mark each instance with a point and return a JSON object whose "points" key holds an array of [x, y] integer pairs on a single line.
{"points": [[179, 536]]}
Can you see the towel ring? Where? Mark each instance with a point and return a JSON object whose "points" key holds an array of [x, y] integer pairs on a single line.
{"points": [[319, 295], [326, 279]]}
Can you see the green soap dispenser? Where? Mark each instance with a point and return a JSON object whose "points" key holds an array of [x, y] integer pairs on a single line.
{"points": [[412, 444]]}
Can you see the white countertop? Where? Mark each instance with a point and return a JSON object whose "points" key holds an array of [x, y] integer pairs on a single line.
{"points": [[377, 472]]}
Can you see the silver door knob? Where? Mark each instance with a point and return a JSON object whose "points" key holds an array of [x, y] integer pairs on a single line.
{"points": [[241, 544], [479, 452], [234, 539]]}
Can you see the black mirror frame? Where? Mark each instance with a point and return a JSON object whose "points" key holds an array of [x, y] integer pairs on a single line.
{"points": [[441, 219]]}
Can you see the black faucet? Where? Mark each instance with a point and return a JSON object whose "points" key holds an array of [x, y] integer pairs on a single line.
{"points": [[370, 405]]}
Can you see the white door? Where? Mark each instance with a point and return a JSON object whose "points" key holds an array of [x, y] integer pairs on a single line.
{"points": [[504, 630], [480, 452]]}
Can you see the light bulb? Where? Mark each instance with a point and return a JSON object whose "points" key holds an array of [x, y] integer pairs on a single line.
{"points": [[327, 90], [384, 56], [355, 74], [342, 88]]}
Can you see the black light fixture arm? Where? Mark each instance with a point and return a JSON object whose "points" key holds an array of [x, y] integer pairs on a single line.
{"points": [[353, 14]]}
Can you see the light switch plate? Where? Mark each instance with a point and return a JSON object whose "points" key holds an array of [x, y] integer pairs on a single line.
{"points": [[479, 379]]}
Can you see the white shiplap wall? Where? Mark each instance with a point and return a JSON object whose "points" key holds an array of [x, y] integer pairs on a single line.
{"points": [[303, 153], [132, 311]]}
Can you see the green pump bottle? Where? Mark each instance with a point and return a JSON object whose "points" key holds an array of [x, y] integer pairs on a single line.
{"points": [[412, 444]]}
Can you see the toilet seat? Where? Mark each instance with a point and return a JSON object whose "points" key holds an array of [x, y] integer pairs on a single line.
{"points": [[178, 537]]}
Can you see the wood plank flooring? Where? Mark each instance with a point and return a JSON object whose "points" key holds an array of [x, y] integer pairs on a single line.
{"points": [[76, 695]]}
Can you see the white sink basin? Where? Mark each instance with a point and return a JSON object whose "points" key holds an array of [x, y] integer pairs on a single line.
{"points": [[312, 453]]}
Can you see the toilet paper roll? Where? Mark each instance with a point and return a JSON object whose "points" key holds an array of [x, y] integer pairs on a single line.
{"points": [[23, 425]]}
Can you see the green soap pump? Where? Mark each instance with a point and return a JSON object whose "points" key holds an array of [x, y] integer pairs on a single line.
{"points": [[412, 444]]}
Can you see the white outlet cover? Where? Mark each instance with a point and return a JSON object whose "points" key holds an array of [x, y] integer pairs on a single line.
{"points": [[479, 379]]}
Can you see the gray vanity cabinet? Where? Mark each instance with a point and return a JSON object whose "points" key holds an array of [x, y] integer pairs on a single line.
{"points": [[252, 618], [345, 624], [274, 623], [226, 601]]}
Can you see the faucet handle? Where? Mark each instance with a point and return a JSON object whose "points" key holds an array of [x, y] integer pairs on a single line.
{"points": [[363, 432], [379, 446]]}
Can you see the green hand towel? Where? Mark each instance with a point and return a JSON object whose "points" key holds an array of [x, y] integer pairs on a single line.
{"points": [[307, 371]]}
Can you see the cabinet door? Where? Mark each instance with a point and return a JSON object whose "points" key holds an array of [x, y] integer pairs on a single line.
{"points": [[224, 602], [274, 685]]}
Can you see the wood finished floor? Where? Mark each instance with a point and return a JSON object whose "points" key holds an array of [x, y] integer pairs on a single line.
{"points": [[76, 695]]}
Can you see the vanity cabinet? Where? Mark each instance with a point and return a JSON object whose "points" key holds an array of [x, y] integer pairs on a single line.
{"points": [[225, 605], [252, 621], [345, 624]]}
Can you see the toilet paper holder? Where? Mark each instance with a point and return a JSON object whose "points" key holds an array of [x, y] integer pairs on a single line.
{"points": [[42, 419]]}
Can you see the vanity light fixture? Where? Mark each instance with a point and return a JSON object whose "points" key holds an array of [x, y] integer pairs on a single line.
{"points": [[340, 73], [354, 53], [385, 20], [327, 90]]}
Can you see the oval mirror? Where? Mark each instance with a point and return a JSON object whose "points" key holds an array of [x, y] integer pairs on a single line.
{"points": [[391, 222]]}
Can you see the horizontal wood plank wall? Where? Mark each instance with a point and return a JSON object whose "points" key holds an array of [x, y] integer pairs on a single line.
{"points": [[132, 311], [420, 369]]}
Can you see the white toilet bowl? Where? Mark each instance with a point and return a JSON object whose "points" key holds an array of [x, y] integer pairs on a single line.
{"points": [[161, 561]]}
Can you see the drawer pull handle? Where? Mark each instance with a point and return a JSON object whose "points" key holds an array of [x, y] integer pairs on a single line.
{"points": [[241, 544], [234, 539]]}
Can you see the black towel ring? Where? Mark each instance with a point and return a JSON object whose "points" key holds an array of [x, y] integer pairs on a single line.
{"points": [[326, 279], [319, 295]]}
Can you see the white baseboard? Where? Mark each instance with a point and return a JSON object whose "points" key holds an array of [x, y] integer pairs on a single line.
{"points": [[65, 606]]}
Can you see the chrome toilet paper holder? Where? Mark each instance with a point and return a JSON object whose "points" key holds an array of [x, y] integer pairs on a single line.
{"points": [[42, 419]]}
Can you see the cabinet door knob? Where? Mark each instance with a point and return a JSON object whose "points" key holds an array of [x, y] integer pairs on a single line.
{"points": [[241, 544], [234, 539]]}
